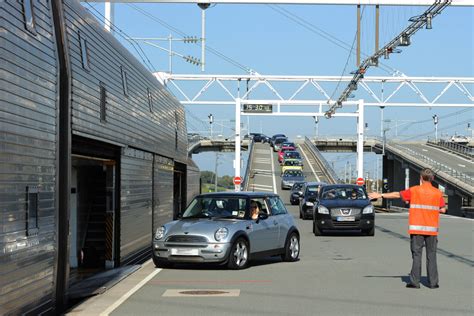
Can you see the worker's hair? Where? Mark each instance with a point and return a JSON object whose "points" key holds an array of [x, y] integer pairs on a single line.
{"points": [[427, 174]]}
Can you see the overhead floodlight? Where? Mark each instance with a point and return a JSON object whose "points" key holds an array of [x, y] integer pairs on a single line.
{"points": [[404, 40], [374, 61], [429, 17]]}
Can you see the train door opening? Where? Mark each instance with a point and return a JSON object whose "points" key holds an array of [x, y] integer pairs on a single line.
{"points": [[179, 190], [92, 214]]}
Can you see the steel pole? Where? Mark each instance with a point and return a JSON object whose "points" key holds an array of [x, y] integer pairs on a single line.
{"points": [[360, 140], [203, 39], [237, 141]]}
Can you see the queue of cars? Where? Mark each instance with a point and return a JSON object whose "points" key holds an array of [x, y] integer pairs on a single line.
{"points": [[233, 228]]}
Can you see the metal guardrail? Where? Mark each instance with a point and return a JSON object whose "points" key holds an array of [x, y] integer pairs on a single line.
{"points": [[245, 184], [455, 147], [330, 173], [436, 165]]}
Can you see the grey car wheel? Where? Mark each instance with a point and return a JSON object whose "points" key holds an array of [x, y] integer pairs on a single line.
{"points": [[292, 248], [239, 255]]}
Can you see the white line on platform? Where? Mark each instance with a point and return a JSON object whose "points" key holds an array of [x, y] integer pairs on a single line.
{"points": [[273, 172], [124, 297], [310, 165]]}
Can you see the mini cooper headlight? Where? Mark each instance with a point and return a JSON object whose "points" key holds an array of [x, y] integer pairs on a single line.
{"points": [[221, 233], [369, 209], [323, 210], [160, 232]]}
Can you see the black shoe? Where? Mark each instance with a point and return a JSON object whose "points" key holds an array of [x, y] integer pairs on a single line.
{"points": [[434, 286], [412, 286]]}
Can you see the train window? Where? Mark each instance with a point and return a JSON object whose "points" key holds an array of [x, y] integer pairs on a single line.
{"points": [[124, 81], [84, 56], [32, 210], [150, 99], [29, 16], [103, 102]]}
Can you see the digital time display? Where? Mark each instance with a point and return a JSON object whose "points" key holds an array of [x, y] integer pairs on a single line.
{"points": [[258, 108]]}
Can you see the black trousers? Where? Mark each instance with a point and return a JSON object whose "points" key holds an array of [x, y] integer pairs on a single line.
{"points": [[416, 244]]}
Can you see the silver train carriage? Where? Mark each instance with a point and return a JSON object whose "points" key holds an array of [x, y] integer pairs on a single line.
{"points": [[93, 153]]}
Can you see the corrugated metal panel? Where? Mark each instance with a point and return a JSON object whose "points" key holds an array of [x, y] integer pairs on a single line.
{"points": [[135, 201], [163, 191], [129, 119], [193, 176], [28, 125]]}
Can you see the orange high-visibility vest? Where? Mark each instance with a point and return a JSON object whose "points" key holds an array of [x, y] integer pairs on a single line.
{"points": [[424, 210]]}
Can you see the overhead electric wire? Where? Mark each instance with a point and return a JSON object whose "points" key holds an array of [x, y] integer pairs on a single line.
{"points": [[439, 129], [146, 61], [208, 48], [326, 35], [347, 60], [439, 117]]}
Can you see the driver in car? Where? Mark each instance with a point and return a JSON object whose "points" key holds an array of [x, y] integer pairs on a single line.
{"points": [[254, 210]]}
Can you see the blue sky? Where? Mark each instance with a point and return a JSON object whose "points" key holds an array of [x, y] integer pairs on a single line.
{"points": [[262, 38]]}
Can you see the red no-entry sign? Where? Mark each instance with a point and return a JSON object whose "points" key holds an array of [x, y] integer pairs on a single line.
{"points": [[237, 180], [359, 181]]}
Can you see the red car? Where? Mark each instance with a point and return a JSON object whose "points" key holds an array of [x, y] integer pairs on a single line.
{"points": [[287, 146]]}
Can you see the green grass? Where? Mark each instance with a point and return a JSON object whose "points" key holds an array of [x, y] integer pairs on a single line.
{"points": [[209, 187]]}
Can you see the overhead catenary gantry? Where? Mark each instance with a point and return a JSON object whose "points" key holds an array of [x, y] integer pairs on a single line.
{"points": [[233, 94], [326, 2]]}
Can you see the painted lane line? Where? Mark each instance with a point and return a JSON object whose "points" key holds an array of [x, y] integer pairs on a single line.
{"points": [[310, 165], [464, 166], [273, 172], [124, 297], [262, 185], [264, 170]]}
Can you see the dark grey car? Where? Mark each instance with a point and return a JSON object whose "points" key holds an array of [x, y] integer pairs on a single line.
{"points": [[217, 227]]}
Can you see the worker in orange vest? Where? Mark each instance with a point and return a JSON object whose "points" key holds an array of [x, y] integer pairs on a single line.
{"points": [[426, 202]]}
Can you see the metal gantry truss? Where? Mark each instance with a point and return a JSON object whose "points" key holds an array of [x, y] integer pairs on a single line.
{"points": [[403, 39], [379, 91]]}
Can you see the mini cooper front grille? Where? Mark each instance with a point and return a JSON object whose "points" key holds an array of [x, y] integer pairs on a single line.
{"points": [[187, 239]]}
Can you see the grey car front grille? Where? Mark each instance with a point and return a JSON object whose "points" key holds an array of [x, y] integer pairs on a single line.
{"points": [[187, 239]]}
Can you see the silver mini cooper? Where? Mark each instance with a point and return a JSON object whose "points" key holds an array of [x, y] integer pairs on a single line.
{"points": [[228, 228]]}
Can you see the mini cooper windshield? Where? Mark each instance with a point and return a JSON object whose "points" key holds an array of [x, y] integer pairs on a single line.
{"points": [[217, 207]]}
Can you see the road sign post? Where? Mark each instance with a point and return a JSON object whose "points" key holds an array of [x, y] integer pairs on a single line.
{"points": [[237, 183]]}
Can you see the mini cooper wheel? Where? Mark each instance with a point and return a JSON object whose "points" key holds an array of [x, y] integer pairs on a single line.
{"points": [[239, 255], [292, 248]]}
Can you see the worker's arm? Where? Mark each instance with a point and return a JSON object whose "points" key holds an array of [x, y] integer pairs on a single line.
{"points": [[389, 195]]}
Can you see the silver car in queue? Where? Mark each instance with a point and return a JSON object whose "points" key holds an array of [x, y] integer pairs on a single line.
{"points": [[217, 227]]}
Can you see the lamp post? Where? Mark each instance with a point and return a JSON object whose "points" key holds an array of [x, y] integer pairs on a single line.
{"points": [[211, 120], [435, 121]]}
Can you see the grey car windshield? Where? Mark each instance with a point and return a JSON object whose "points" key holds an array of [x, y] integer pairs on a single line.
{"points": [[344, 193], [221, 207]]}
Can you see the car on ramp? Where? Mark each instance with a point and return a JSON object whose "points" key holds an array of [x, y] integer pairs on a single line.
{"points": [[218, 227]]}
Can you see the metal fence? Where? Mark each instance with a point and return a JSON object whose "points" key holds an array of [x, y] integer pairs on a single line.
{"points": [[328, 170]]}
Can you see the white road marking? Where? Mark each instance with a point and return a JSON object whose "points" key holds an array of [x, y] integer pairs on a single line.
{"points": [[262, 185], [425, 149], [264, 174], [448, 153], [310, 165], [124, 297], [254, 188], [263, 170], [464, 166], [273, 172]]}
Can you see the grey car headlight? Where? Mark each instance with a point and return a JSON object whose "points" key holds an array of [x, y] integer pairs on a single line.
{"points": [[369, 209], [221, 233], [323, 209], [309, 204], [160, 232]]}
